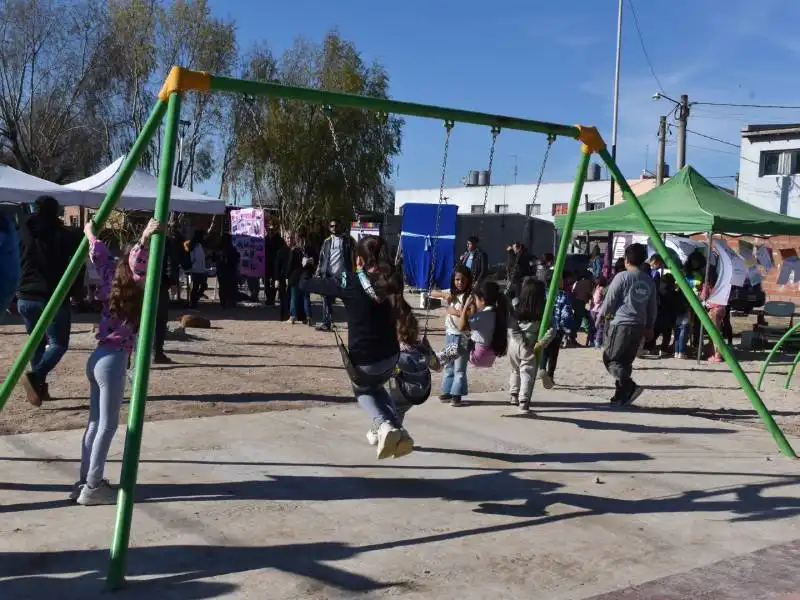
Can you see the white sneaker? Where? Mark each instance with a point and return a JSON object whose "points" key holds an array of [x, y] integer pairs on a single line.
{"points": [[76, 490], [547, 381], [102, 494], [372, 437], [405, 446], [388, 438]]}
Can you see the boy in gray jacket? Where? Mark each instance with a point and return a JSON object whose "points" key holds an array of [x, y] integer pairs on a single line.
{"points": [[629, 310]]}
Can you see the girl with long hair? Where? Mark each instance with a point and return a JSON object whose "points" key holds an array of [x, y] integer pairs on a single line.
{"points": [[122, 293], [525, 318], [371, 299], [454, 381]]}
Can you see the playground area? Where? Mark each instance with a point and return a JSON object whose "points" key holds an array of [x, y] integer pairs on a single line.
{"points": [[576, 502], [250, 362]]}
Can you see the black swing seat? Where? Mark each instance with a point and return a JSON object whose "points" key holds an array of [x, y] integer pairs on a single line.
{"points": [[358, 378]]}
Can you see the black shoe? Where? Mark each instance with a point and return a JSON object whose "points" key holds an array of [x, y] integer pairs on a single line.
{"points": [[634, 392], [456, 401], [162, 359], [34, 392], [323, 327], [445, 397]]}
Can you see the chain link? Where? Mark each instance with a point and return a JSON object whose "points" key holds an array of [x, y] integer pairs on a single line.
{"points": [[550, 141], [495, 133], [448, 125]]}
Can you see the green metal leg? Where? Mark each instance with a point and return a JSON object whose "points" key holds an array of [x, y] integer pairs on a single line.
{"points": [[747, 386], [563, 246], [790, 374], [79, 259], [775, 349], [133, 437]]}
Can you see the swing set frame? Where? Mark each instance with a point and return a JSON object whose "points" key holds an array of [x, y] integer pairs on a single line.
{"points": [[180, 81]]}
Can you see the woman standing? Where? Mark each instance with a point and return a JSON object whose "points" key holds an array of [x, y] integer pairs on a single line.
{"points": [[302, 263]]}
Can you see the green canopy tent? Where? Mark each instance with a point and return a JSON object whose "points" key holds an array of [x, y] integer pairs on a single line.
{"points": [[688, 203]]}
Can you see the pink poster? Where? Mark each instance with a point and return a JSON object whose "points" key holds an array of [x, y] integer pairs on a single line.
{"points": [[247, 229]]}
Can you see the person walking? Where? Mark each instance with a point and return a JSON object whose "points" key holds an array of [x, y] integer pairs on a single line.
{"points": [[335, 258], [46, 248]]}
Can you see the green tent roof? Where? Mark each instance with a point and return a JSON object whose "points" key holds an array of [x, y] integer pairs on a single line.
{"points": [[688, 203]]}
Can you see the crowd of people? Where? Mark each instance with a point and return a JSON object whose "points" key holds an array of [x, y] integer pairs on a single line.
{"points": [[625, 314]]}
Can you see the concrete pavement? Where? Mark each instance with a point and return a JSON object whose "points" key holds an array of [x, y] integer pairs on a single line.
{"points": [[576, 502]]}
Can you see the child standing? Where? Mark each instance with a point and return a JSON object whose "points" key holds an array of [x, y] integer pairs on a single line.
{"points": [[122, 293], [485, 317], [563, 324], [524, 344], [371, 300], [454, 382], [598, 295], [630, 312]]}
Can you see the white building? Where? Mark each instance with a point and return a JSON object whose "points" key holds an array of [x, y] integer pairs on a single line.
{"points": [[769, 167], [553, 197]]}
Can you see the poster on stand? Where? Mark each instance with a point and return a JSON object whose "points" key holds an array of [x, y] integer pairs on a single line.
{"points": [[359, 229], [731, 271], [247, 230]]}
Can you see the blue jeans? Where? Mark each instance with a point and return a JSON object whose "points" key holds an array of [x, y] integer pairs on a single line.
{"points": [[55, 343], [295, 298], [454, 381], [106, 373], [376, 401], [681, 333]]}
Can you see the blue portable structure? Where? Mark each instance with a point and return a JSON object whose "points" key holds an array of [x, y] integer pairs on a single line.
{"points": [[419, 235]]}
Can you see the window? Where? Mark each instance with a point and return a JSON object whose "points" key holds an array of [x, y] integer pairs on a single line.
{"points": [[770, 162], [794, 163], [560, 208], [73, 221], [533, 210], [595, 205], [501, 209], [476, 209]]}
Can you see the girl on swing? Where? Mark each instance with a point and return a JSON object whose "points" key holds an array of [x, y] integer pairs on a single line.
{"points": [[372, 299], [454, 382]]}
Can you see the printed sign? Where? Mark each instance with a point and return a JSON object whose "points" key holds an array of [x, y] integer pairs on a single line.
{"points": [[765, 258], [731, 271], [247, 230], [359, 229], [747, 253]]}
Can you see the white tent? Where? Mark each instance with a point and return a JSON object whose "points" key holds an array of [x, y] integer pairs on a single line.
{"points": [[17, 187], [140, 193]]}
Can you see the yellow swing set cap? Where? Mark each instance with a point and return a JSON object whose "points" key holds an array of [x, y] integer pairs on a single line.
{"points": [[591, 138], [182, 80]]}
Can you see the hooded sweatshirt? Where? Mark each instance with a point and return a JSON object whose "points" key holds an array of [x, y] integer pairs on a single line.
{"points": [[46, 247], [371, 323]]}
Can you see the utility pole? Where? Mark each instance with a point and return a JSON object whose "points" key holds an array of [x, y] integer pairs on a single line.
{"points": [[615, 122], [662, 147], [682, 114], [179, 169]]}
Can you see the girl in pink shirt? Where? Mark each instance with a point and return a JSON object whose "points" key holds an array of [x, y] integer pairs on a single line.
{"points": [[121, 290]]}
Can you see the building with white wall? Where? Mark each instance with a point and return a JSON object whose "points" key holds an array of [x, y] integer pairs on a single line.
{"points": [[553, 197], [769, 167]]}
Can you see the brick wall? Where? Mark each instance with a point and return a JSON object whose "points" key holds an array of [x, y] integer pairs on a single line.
{"points": [[789, 291]]}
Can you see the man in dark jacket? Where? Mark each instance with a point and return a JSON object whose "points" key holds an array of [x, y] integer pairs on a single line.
{"points": [[273, 246], [335, 257], [518, 266], [476, 260], [46, 248]]}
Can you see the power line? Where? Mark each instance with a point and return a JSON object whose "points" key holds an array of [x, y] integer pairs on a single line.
{"points": [[644, 49], [778, 106], [709, 137]]}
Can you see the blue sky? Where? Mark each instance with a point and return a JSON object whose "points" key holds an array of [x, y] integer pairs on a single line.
{"points": [[555, 61]]}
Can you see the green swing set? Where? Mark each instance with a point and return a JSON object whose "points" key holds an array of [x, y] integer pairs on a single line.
{"points": [[168, 105]]}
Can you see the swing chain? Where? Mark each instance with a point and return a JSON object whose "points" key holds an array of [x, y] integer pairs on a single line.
{"points": [[448, 125], [495, 133], [328, 111], [550, 141]]}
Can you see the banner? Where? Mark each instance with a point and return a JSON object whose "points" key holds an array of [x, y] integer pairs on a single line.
{"points": [[731, 271], [765, 258], [247, 230], [748, 255], [359, 229]]}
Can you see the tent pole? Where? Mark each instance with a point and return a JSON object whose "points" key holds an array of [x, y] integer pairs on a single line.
{"points": [[701, 343]]}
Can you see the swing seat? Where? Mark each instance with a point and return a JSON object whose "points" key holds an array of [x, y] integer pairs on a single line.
{"points": [[482, 356]]}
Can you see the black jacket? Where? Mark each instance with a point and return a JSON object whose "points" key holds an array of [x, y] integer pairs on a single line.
{"points": [[371, 325], [479, 267], [518, 267], [325, 254], [296, 268], [273, 243], [46, 247]]}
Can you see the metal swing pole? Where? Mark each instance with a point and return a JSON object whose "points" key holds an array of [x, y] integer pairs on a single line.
{"points": [[758, 404], [79, 259], [133, 437]]}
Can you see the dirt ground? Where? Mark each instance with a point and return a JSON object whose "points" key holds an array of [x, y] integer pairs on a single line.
{"points": [[249, 362]]}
